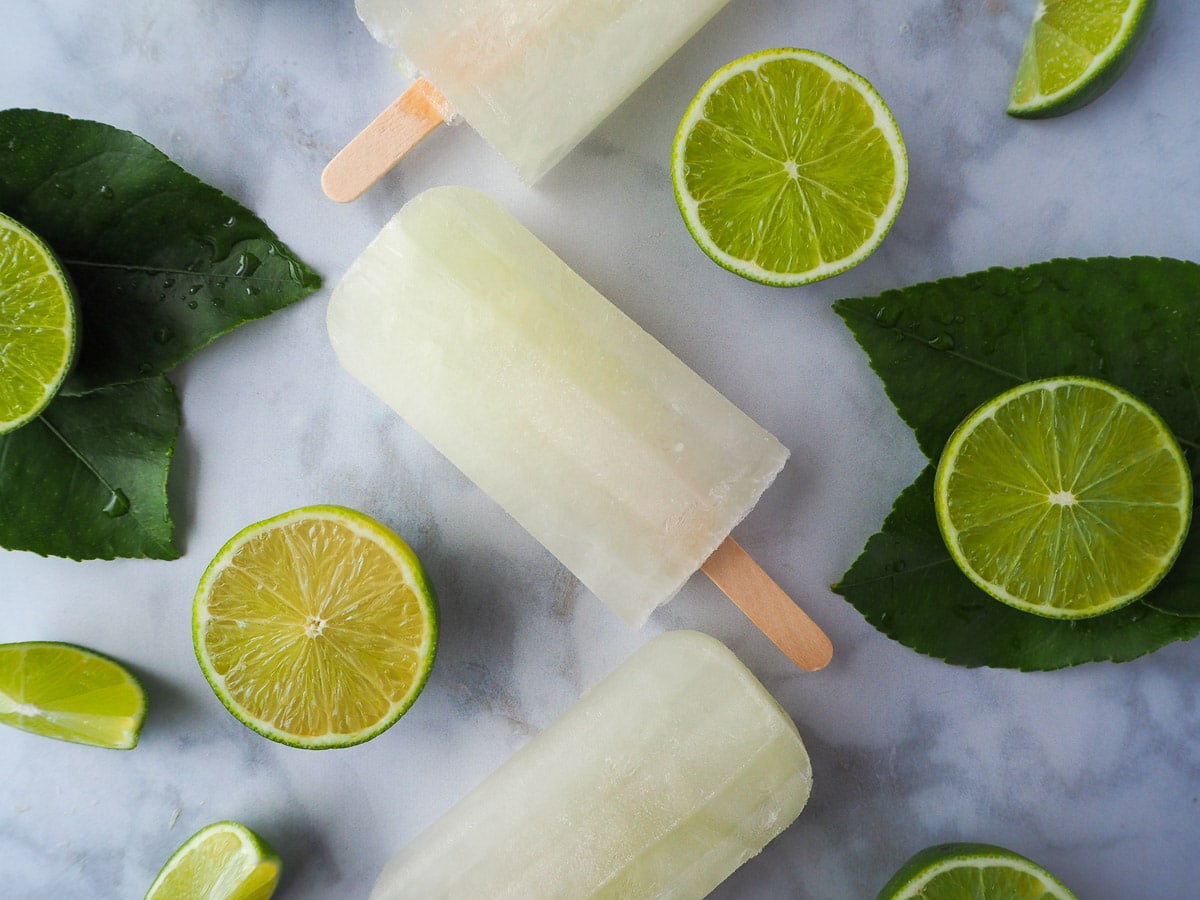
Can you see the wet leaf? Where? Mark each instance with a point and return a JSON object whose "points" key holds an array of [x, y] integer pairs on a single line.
{"points": [[942, 349], [164, 263], [88, 478]]}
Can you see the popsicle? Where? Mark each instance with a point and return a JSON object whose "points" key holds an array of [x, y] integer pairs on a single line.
{"points": [[624, 463], [533, 77], [659, 782]]}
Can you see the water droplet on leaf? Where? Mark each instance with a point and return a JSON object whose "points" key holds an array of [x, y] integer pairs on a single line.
{"points": [[247, 264], [118, 504], [887, 316]]}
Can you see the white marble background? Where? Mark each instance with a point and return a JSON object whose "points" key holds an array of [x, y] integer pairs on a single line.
{"points": [[1093, 771]]}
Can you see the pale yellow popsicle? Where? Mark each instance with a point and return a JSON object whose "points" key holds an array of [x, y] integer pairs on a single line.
{"points": [[658, 783], [608, 449], [533, 77]]}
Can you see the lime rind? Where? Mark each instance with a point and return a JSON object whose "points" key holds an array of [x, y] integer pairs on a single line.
{"points": [[398, 551], [70, 693], [1159, 511], [38, 355], [918, 878], [756, 166], [1091, 71], [221, 861]]}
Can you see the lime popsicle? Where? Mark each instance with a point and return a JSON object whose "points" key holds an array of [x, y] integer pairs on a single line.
{"points": [[533, 77], [659, 782], [617, 457]]}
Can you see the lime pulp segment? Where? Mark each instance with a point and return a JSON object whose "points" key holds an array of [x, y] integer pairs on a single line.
{"points": [[38, 325], [316, 628], [1065, 497], [1074, 52], [70, 693], [788, 167]]}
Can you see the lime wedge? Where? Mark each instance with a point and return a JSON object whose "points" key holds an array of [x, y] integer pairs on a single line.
{"points": [[788, 167], [38, 325], [1065, 497], [316, 628], [1075, 50], [972, 872], [222, 861], [70, 693]]}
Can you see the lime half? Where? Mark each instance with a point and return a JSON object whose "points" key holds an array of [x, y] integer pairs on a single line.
{"points": [[222, 861], [70, 693], [38, 324], [788, 167], [1066, 497], [972, 872], [316, 628], [1075, 51]]}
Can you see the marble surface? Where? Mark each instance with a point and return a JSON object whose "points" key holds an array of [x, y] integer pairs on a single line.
{"points": [[1094, 771]]}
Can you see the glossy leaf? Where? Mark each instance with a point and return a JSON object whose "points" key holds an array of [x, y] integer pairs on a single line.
{"points": [[163, 262], [88, 478], [907, 586], [945, 347]]}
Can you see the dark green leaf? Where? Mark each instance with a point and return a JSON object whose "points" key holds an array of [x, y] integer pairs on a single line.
{"points": [[945, 347], [163, 262], [88, 478], [907, 586]]}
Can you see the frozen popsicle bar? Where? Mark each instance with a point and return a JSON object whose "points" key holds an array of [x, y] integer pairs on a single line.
{"points": [[659, 782], [533, 77], [624, 463]]}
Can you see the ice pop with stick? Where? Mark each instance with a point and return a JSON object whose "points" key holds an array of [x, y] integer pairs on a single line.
{"points": [[605, 446], [533, 77]]}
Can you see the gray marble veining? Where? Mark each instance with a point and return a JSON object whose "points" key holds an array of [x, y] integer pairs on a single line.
{"points": [[1093, 771]]}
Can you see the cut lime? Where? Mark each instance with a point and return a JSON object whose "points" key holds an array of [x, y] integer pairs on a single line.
{"points": [[316, 628], [1075, 50], [222, 861], [38, 325], [1065, 497], [788, 167], [70, 693], [972, 872]]}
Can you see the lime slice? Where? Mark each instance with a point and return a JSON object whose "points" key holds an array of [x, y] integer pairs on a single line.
{"points": [[788, 167], [1075, 50], [222, 861], [70, 693], [1065, 497], [38, 325], [972, 872], [316, 628]]}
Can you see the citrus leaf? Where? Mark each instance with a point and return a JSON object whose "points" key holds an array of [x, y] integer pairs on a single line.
{"points": [[943, 348], [164, 263], [88, 478], [908, 587]]}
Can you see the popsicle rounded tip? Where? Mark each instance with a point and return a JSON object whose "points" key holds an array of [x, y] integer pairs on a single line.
{"points": [[343, 184], [817, 654], [801, 640], [335, 186]]}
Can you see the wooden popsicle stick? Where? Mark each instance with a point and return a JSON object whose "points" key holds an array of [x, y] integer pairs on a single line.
{"points": [[377, 148], [736, 573]]}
